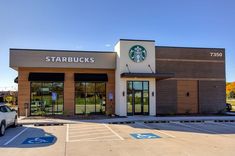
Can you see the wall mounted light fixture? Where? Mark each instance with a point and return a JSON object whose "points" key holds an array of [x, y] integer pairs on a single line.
{"points": [[152, 93], [123, 93], [187, 94]]}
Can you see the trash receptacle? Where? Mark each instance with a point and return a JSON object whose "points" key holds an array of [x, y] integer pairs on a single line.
{"points": [[26, 106]]}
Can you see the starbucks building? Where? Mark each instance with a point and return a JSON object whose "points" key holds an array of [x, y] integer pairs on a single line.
{"points": [[137, 78]]}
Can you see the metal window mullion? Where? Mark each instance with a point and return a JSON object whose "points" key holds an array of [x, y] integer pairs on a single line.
{"points": [[41, 96], [85, 96], [142, 98], [133, 98], [148, 97], [105, 99], [95, 97]]}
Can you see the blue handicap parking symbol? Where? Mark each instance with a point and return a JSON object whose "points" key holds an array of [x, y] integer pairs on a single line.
{"points": [[144, 136], [39, 140]]}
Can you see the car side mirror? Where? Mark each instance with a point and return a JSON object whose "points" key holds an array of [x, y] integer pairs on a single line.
{"points": [[13, 110]]}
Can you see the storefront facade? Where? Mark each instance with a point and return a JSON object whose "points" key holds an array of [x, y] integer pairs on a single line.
{"points": [[137, 78]]}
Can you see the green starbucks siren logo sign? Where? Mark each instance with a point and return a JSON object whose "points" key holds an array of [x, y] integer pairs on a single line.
{"points": [[137, 53]]}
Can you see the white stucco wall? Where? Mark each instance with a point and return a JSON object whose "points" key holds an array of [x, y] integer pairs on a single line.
{"points": [[122, 48]]}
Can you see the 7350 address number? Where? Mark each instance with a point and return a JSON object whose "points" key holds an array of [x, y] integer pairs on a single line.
{"points": [[216, 54]]}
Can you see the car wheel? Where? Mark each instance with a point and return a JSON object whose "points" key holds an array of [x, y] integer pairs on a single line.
{"points": [[15, 122], [228, 107], [2, 129]]}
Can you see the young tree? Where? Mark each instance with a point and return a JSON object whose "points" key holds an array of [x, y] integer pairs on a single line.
{"points": [[232, 95]]}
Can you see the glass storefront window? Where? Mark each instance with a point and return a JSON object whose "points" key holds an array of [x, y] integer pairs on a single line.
{"points": [[100, 88], [90, 87], [35, 103], [100, 102], [90, 103], [80, 87], [80, 103], [91, 99], [58, 89], [47, 98]]}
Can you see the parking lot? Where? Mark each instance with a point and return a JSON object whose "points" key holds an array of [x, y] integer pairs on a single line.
{"points": [[87, 138]]}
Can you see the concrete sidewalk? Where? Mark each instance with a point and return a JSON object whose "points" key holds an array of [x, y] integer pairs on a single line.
{"points": [[129, 119]]}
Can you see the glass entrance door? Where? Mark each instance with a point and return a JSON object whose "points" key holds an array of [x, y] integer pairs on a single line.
{"points": [[137, 97], [138, 102]]}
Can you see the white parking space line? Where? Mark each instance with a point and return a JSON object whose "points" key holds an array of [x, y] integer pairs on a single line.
{"points": [[12, 139], [86, 129], [93, 138], [113, 132], [94, 132], [84, 126], [149, 127], [98, 139], [195, 128]]}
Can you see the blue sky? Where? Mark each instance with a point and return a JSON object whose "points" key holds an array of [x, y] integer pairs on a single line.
{"points": [[98, 24]]}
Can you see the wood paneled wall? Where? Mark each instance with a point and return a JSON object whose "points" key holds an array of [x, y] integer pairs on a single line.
{"points": [[166, 97], [212, 96], [197, 72], [187, 97]]}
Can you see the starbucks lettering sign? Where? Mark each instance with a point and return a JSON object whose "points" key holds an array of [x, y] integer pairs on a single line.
{"points": [[137, 53]]}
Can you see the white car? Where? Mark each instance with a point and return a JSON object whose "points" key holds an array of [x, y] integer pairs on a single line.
{"points": [[8, 117]]}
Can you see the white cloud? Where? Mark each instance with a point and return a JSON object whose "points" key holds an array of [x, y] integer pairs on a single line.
{"points": [[107, 45]]}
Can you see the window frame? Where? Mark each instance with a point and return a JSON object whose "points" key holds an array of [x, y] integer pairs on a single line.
{"points": [[132, 93], [85, 99], [41, 96]]}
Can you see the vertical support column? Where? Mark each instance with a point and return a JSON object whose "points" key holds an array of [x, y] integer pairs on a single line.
{"points": [[110, 88], [23, 91], [69, 94], [123, 97], [152, 97]]}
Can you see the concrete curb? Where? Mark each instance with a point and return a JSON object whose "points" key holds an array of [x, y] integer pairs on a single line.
{"points": [[48, 124], [44, 124], [170, 121], [130, 121]]}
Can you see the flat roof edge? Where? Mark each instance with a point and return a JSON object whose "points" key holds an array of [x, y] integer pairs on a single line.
{"points": [[136, 40], [61, 50], [188, 47]]}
